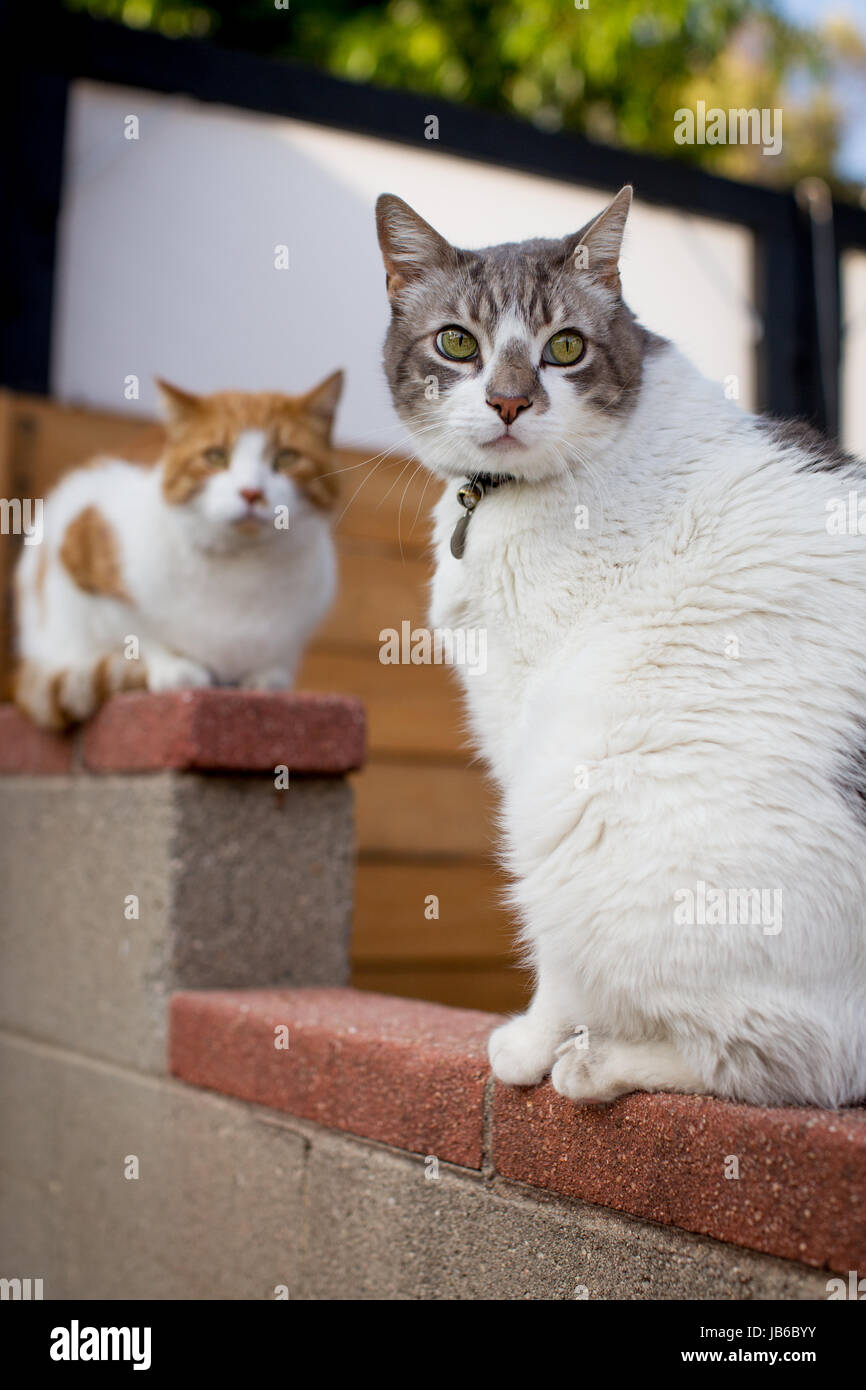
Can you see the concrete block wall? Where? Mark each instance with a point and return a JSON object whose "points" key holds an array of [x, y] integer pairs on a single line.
{"points": [[239, 1201], [191, 1106], [155, 852], [786, 1183]]}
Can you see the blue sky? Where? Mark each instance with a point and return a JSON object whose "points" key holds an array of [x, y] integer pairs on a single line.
{"points": [[811, 12]]}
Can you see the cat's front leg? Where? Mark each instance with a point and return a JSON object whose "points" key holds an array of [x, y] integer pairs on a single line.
{"points": [[168, 671], [523, 1050], [597, 1068]]}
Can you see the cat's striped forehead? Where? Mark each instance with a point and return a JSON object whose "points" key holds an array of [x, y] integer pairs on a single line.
{"points": [[531, 283], [513, 298]]}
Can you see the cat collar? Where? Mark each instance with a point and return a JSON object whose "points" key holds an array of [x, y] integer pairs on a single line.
{"points": [[469, 495]]}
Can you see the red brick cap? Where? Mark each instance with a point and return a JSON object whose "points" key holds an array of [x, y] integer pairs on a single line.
{"points": [[24, 749], [413, 1075], [799, 1193], [408, 1074], [198, 730]]}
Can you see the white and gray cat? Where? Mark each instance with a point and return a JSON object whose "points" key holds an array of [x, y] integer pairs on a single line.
{"points": [[674, 707]]}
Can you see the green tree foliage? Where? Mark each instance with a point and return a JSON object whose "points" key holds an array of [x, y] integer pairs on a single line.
{"points": [[616, 72]]}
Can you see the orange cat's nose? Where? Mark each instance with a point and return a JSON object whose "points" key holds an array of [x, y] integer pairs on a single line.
{"points": [[251, 494]]}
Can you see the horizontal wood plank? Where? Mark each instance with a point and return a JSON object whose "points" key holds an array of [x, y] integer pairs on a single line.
{"points": [[496, 989], [395, 903], [50, 439], [378, 591], [410, 709], [423, 809]]}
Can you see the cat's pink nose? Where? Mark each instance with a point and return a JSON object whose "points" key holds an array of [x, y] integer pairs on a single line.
{"points": [[508, 407], [251, 494]]}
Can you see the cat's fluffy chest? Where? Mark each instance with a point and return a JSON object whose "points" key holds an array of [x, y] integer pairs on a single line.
{"points": [[227, 610], [227, 613], [234, 611], [530, 584]]}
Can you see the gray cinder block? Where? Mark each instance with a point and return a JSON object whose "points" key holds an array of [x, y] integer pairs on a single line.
{"points": [[234, 884]]}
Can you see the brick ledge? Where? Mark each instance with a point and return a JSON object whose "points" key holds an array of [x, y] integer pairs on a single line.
{"points": [[196, 730], [410, 1075], [414, 1076]]}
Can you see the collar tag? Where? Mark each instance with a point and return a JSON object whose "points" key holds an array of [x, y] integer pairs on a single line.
{"points": [[458, 536], [469, 495]]}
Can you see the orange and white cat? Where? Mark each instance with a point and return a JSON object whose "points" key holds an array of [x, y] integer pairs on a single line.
{"points": [[212, 567]]}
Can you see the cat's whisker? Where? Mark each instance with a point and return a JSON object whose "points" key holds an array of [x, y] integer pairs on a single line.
{"points": [[408, 464], [350, 468], [377, 461], [358, 489], [412, 478], [427, 483], [588, 467]]}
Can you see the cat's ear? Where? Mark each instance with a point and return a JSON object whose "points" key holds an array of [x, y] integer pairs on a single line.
{"points": [[409, 245], [596, 247], [177, 405], [320, 404]]}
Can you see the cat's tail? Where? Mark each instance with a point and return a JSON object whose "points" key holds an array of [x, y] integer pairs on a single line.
{"points": [[56, 698]]}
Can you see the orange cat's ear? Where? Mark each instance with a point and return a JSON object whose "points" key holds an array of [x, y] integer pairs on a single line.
{"points": [[320, 404], [177, 405]]}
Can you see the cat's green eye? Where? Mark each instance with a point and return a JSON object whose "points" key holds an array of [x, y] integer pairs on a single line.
{"points": [[286, 458], [216, 457], [564, 349], [457, 344]]}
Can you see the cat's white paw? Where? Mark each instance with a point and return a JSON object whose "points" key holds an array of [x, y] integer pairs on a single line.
{"points": [[168, 672], [607, 1069], [274, 678], [521, 1052], [584, 1077]]}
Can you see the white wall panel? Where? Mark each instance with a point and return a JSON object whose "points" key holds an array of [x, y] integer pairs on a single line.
{"points": [[166, 262]]}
